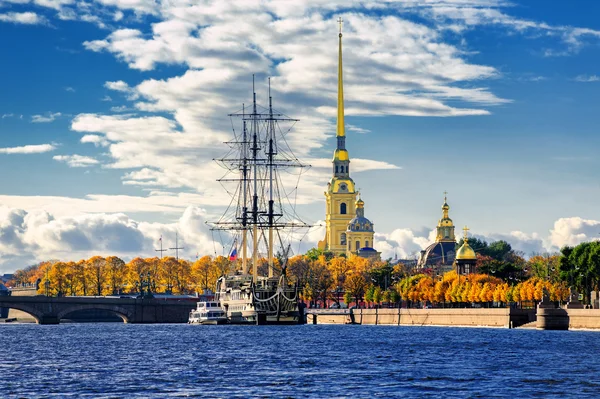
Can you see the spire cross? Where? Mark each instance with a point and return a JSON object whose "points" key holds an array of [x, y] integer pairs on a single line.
{"points": [[340, 21], [161, 250], [177, 247], [466, 229], [445, 195]]}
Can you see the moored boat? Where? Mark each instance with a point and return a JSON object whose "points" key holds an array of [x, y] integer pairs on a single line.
{"points": [[258, 218], [207, 313]]}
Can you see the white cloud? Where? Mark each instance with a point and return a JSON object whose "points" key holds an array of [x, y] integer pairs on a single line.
{"points": [[25, 18], [76, 161], [49, 117], [572, 231], [4, 116], [120, 108], [98, 141], [587, 78], [70, 89], [30, 237], [356, 129], [28, 149]]}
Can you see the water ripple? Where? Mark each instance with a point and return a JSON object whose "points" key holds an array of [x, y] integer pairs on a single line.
{"points": [[181, 361]]}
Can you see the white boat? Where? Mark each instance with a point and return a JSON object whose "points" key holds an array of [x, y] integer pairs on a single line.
{"points": [[207, 313]]}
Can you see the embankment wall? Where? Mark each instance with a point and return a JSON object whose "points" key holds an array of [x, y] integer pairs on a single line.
{"points": [[492, 317]]}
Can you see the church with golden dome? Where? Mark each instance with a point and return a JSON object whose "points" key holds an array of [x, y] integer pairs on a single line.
{"points": [[347, 230], [466, 258], [442, 254]]}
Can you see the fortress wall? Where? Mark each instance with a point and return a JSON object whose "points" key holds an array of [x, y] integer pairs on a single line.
{"points": [[588, 319], [484, 317], [436, 317]]}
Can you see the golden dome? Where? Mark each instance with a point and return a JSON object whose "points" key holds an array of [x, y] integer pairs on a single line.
{"points": [[465, 252], [360, 203]]}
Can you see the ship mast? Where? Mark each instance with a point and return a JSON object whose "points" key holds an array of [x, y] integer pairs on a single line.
{"points": [[255, 181], [245, 194], [254, 162], [271, 127]]}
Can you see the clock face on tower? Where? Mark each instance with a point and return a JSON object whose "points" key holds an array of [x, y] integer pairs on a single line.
{"points": [[343, 187]]}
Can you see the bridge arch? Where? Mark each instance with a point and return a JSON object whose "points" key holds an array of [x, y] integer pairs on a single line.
{"points": [[123, 313], [30, 310]]}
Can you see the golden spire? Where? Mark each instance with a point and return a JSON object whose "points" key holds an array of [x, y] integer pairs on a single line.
{"points": [[445, 207], [466, 237], [340, 107]]}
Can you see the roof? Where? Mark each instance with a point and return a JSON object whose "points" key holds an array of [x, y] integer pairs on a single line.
{"points": [[360, 223], [465, 252], [438, 253]]}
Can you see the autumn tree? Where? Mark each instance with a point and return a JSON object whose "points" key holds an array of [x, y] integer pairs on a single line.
{"points": [[96, 267], [137, 270], [204, 274], [116, 273]]}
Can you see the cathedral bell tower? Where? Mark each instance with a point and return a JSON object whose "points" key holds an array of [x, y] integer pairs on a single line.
{"points": [[445, 226], [340, 195]]}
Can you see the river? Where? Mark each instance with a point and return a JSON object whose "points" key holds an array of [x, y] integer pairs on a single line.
{"points": [[112, 360]]}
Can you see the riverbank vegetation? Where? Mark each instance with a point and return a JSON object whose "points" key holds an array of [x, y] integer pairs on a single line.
{"points": [[504, 276]]}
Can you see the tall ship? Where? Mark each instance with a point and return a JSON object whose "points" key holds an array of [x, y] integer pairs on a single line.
{"points": [[261, 175]]}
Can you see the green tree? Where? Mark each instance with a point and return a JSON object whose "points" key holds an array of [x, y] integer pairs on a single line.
{"points": [[377, 295], [347, 298], [369, 294]]}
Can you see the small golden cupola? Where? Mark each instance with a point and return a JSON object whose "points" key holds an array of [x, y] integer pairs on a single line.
{"points": [[466, 258], [465, 252]]}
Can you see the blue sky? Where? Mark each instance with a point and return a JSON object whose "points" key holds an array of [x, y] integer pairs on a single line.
{"points": [[111, 111]]}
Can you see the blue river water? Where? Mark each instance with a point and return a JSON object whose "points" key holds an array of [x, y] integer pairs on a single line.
{"points": [[114, 360]]}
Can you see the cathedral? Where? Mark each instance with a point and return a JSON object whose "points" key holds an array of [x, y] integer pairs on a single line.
{"points": [[348, 231], [442, 254]]}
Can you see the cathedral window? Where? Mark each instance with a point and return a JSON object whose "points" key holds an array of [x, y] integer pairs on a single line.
{"points": [[367, 243], [343, 208], [336, 169], [357, 245], [343, 239]]}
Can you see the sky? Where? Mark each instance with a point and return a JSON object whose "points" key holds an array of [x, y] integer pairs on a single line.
{"points": [[111, 112]]}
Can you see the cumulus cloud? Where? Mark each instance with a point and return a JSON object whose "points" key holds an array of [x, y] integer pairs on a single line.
{"points": [[28, 149], [49, 117], [572, 231], [76, 161], [98, 141], [30, 237], [25, 18]]}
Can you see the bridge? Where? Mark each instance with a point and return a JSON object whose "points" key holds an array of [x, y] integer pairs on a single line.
{"points": [[50, 310]]}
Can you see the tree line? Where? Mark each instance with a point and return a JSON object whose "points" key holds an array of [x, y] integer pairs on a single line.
{"points": [[503, 275]]}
